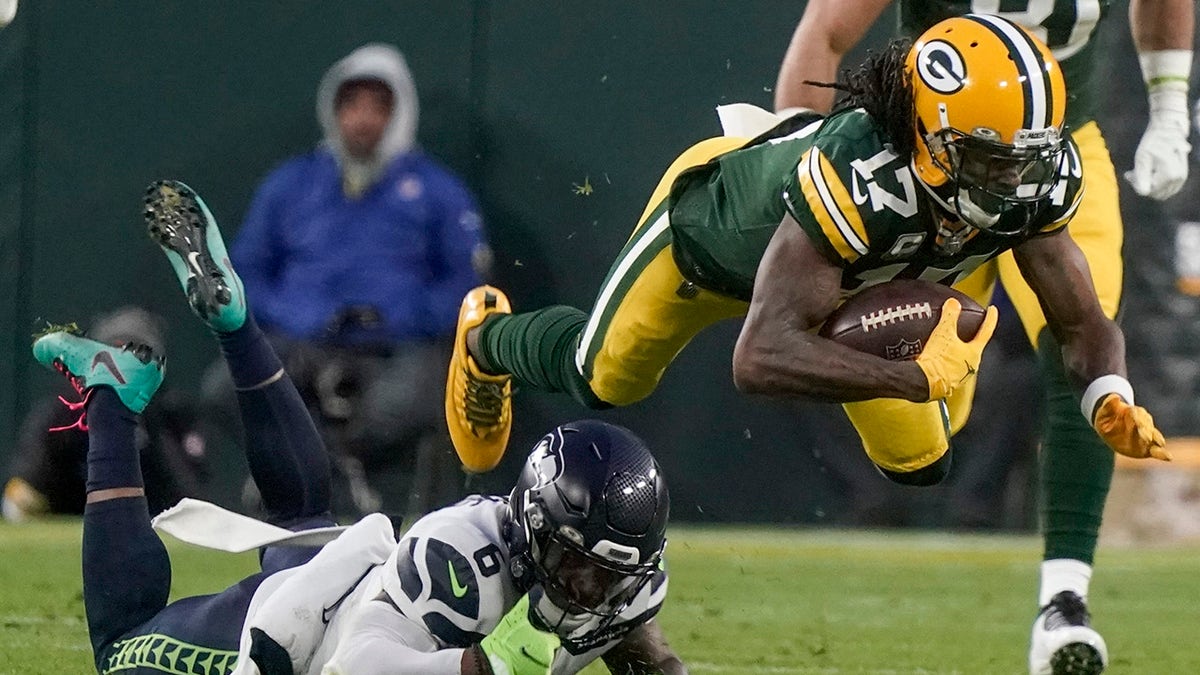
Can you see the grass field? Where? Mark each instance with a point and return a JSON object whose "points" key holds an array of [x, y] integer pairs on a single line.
{"points": [[751, 600]]}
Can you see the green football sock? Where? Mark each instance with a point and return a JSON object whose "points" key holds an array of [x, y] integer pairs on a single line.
{"points": [[1076, 466], [538, 350]]}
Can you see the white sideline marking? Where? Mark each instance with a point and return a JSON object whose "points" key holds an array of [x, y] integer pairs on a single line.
{"points": [[798, 670]]}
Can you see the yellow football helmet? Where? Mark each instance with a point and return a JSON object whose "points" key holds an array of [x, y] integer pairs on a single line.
{"points": [[989, 102]]}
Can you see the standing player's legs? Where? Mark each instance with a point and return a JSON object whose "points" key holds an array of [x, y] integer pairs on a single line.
{"points": [[645, 314], [1076, 466]]}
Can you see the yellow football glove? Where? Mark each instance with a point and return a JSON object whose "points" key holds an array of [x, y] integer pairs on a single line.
{"points": [[516, 647], [1129, 429], [946, 360]]}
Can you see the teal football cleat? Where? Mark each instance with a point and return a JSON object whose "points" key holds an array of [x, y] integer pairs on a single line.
{"points": [[183, 226], [133, 370]]}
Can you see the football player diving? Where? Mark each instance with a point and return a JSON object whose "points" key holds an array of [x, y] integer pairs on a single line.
{"points": [[1075, 465], [945, 153], [565, 570]]}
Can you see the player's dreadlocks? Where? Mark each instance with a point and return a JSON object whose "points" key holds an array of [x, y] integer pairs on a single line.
{"points": [[881, 87]]}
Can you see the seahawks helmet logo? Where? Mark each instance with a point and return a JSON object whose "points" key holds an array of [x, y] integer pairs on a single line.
{"points": [[546, 459], [941, 67]]}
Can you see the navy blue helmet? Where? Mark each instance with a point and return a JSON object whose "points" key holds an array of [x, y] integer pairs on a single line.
{"points": [[590, 516]]}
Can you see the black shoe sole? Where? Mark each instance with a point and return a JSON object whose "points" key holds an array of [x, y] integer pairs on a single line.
{"points": [[1076, 658], [175, 221]]}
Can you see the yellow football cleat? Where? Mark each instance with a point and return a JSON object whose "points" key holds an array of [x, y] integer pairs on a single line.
{"points": [[478, 405]]}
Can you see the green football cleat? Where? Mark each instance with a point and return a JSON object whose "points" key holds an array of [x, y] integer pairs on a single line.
{"points": [[183, 226], [133, 371]]}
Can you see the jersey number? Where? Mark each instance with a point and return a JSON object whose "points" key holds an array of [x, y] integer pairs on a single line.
{"points": [[903, 204], [488, 560], [1064, 25]]}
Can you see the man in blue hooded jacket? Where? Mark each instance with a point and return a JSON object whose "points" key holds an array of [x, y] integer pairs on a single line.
{"points": [[357, 254]]}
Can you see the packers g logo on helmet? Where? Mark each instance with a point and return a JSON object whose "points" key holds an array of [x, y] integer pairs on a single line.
{"points": [[989, 103], [941, 67]]}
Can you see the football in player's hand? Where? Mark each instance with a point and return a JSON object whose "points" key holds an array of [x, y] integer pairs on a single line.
{"points": [[894, 319]]}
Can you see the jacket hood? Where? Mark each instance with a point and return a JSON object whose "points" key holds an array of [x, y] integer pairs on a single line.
{"points": [[376, 61]]}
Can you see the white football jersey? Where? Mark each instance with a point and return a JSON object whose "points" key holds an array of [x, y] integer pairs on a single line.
{"points": [[447, 585]]}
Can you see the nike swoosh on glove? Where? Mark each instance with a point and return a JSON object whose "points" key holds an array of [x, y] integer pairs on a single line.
{"points": [[1129, 429], [948, 361], [1160, 165]]}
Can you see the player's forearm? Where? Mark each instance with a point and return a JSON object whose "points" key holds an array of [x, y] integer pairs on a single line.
{"points": [[644, 651], [828, 29], [669, 666], [801, 365], [1092, 351], [806, 60]]}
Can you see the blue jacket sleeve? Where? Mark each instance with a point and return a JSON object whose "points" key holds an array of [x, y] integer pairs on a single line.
{"points": [[257, 253], [462, 256]]}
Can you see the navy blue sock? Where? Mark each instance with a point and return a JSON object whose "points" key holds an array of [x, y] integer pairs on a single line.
{"points": [[286, 455], [126, 571], [112, 458], [250, 357]]}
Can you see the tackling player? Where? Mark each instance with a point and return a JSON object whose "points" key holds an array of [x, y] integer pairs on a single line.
{"points": [[568, 571], [943, 155], [1076, 467]]}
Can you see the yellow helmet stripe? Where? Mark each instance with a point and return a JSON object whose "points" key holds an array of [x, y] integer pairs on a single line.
{"points": [[832, 206], [1031, 66]]}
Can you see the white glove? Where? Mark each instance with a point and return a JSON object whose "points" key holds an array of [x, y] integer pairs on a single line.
{"points": [[1160, 165], [8, 11]]}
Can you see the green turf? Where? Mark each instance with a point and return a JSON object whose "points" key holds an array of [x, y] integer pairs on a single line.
{"points": [[746, 601]]}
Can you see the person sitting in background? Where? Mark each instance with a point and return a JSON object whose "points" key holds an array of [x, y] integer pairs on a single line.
{"points": [[356, 255], [49, 467]]}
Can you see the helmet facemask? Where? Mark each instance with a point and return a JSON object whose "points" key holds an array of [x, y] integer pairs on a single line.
{"points": [[576, 586], [988, 178]]}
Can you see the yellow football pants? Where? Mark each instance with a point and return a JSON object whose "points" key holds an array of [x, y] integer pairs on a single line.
{"points": [[647, 312]]}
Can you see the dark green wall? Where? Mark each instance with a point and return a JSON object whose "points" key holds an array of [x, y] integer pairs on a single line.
{"points": [[524, 99]]}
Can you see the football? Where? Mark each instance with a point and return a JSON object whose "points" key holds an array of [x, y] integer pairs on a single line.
{"points": [[894, 319]]}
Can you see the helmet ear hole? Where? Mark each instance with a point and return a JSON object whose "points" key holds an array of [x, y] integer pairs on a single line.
{"points": [[535, 516]]}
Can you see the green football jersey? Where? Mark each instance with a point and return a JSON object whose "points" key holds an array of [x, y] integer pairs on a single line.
{"points": [[859, 203], [1068, 27]]}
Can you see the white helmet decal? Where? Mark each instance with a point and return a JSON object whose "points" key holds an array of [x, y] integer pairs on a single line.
{"points": [[547, 460], [941, 67]]}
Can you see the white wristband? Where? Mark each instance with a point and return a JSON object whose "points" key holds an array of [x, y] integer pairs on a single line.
{"points": [[1166, 69], [1103, 386]]}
